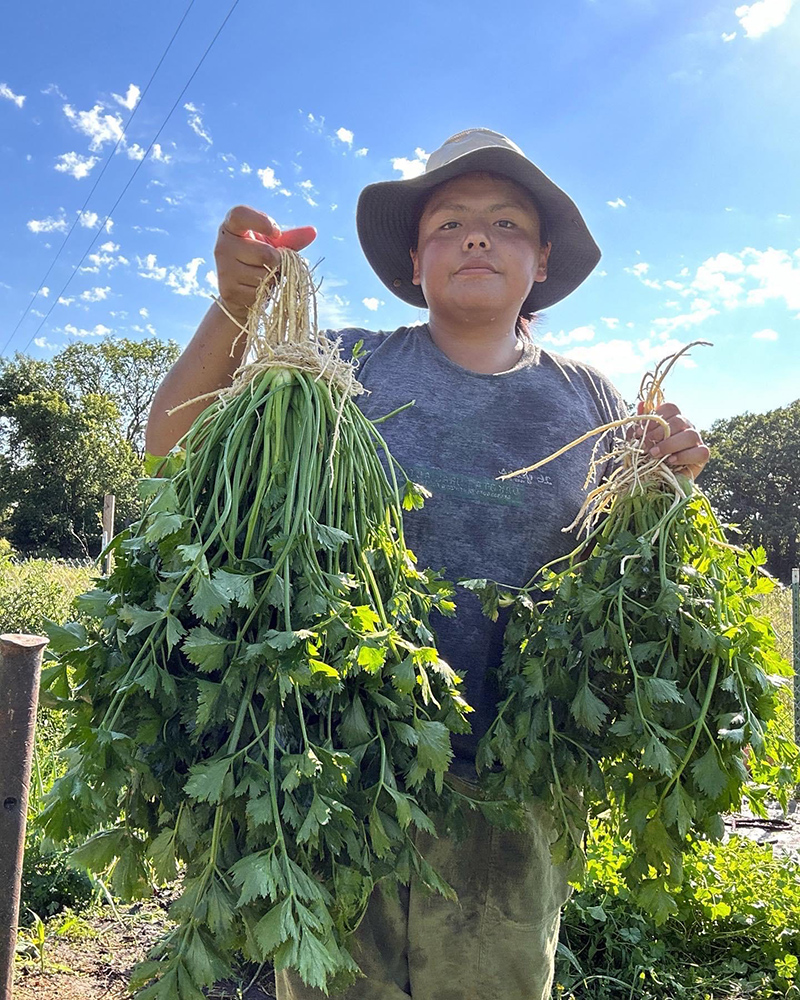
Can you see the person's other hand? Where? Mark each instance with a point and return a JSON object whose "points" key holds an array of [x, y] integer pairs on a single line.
{"points": [[248, 243], [683, 449]]}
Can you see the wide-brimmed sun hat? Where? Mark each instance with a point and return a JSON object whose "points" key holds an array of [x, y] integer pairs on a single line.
{"points": [[388, 213]]}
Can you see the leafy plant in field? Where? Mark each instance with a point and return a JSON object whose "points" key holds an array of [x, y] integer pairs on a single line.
{"points": [[734, 932]]}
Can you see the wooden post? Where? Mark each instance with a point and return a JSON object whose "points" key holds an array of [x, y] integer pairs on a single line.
{"points": [[108, 528], [20, 668]]}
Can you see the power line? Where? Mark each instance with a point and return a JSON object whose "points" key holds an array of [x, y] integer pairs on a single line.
{"points": [[135, 172], [99, 177]]}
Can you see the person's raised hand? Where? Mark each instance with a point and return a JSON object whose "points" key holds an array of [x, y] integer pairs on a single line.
{"points": [[248, 243], [683, 449]]}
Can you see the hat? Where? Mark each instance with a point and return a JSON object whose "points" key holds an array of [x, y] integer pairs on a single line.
{"points": [[388, 212]]}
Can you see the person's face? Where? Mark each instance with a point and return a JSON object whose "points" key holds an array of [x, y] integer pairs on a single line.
{"points": [[478, 251]]}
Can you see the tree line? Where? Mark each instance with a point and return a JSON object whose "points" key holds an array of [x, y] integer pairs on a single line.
{"points": [[72, 430]]}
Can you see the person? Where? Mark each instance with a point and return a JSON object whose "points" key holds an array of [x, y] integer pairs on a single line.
{"points": [[484, 240]]}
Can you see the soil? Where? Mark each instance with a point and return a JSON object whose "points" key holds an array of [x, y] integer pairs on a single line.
{"points": [[92, 960]]}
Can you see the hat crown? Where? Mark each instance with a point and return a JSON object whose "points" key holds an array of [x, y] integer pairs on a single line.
{"points": [[467, 142]]}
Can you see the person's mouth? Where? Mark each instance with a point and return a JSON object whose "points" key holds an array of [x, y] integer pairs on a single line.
{"points": [[476, 266]]}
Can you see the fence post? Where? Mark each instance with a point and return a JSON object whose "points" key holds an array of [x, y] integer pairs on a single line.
{"points": [[20, 668], [109, 502], [796, 650]]}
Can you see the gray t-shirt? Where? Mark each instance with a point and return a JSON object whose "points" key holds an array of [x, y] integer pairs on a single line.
{"points": [[464, 430]]}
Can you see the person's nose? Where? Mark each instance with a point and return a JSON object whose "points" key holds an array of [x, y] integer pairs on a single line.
{"points": [[476, 239]]}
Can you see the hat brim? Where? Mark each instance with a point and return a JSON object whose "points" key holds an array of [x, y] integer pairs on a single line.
{"points": [[386, 215]]}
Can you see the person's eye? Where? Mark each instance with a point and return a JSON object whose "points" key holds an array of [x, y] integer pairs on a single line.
{"points": [[450, 225], [506, 224]]}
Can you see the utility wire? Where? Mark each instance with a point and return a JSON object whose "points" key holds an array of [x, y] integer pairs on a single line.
{"points": [[99, 177], [135, 172]]}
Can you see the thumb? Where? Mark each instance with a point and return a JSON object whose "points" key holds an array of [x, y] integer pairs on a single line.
{"points": [[295, 239]]}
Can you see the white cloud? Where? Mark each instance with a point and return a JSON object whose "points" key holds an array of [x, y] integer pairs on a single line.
{"points": [[45, 344], [625, 357], [308, 185], [109, 247], [182, 280], [361, 152], [617, 203], [103, 259], [135, 152], [109, 225], [49, 225], [373, 304], [309, 200], [750, 277], [728, 37], [64, 301], [8, 93], [758, 18], [76, 165], [144, 313], [89, 219], [315, 124], [131, 99], [268, 178], [579, 334], [211, 279], [195, 123], [765, 335], [286, 192], [53, 88], [246, 168], [334, 206], [99, 128], [157, 153], [96, 294], [638, 269], [345, 135], [98, 331], [700, 312], [611, 322], [411, 167], [333, 310]]}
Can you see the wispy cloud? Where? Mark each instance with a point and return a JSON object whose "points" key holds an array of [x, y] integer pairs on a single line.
{"points": [[373, 304], [361, 152], [765, 335], [411, 167], [107, 257], [75, 165], [98, 127], [578, 335], [195, 123], [49, 225], [617, 203], [97, 331], [759, 18], [95, 294], [8, 93], [626, 357], [131, 99], [728, 37], [182, 280]]}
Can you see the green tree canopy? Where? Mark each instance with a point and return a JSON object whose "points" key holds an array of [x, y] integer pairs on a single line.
{"points": [[753, 480], [71, 430]]}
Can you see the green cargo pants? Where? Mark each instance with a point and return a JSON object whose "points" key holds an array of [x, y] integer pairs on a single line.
{"points": [[497, 942]]}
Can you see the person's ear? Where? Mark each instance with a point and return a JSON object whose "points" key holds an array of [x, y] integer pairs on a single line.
{"points": [[415, 280], [544, 256]]}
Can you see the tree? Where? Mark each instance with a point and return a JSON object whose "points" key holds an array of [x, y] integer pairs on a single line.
{"points": [[71, 430], [60, 459], [753, 480], [126, 371]]}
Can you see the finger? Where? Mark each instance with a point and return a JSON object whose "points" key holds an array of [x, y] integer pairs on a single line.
{"points": [[256, 253], [697, 456], [676, 443], [296, 239], [656, 434], [242, 219]]}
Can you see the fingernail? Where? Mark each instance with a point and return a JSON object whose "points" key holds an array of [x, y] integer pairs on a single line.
{"points": [[655, 451]]}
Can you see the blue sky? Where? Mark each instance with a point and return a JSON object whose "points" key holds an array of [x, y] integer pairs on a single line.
{"points": [[675, 127]]}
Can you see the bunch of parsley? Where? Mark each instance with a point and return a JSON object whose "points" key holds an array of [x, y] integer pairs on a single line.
{"points": [[254, 692]]}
